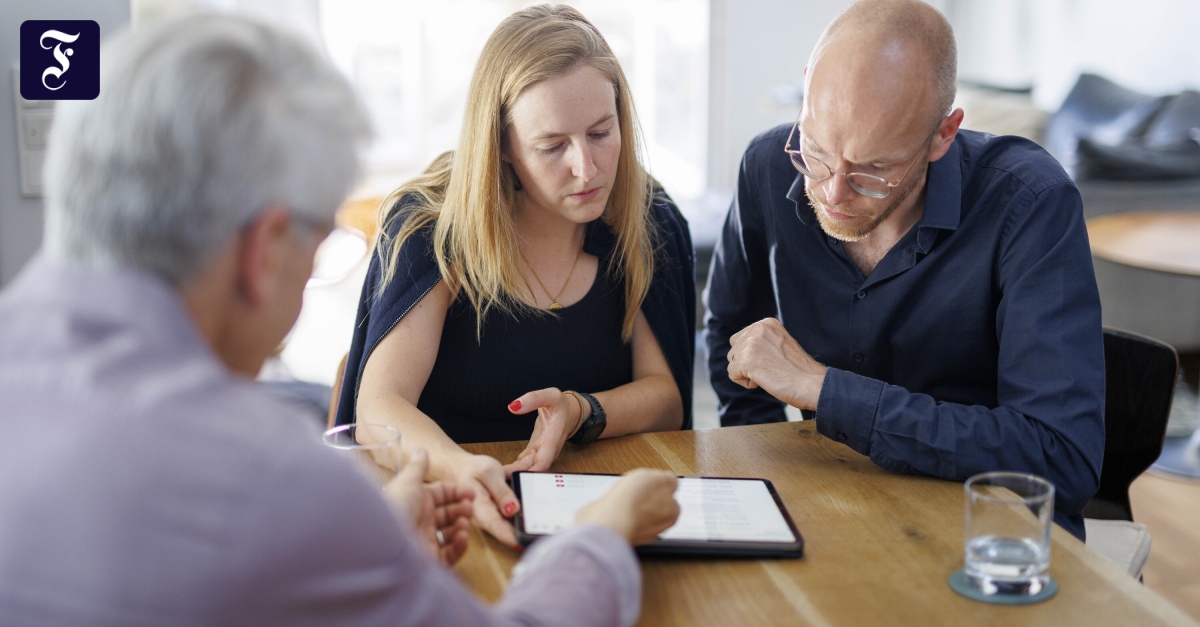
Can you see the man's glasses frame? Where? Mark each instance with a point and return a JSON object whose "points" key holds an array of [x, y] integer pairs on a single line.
{"points": [[865, 184]]}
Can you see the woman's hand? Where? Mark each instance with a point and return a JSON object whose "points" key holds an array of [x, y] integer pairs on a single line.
{"points": [[440, 512], [494, 501], [639, 507], [559, 415]]}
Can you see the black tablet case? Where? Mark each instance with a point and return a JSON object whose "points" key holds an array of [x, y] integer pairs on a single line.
{"points": [[699, 548]]}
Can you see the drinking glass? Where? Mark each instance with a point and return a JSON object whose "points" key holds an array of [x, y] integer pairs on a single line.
{"points": [[374, 447], [1007, 536]]}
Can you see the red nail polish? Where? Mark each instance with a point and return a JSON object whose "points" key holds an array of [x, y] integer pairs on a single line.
{"points": [[515, 406], [509, 509]]}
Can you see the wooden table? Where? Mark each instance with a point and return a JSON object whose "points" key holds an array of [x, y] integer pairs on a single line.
{"points": [[878, 546]]}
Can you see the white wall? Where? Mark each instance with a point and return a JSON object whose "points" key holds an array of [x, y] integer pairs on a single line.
{"points": [[21, 218], [755, 46], [994, 41], [1149, 45]]}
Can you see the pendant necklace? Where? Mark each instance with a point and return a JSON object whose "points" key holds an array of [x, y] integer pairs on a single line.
{"points": [[554, 304]]}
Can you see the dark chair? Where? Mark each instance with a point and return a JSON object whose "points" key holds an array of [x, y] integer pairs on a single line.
{"points": [[1140, 375], [1140, 378]]}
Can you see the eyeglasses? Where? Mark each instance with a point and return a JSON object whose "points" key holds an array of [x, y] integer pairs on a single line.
{"points": [[865, 184]]}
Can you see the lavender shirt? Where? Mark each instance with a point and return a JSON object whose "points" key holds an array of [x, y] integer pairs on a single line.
{"points": [[141, 483]]}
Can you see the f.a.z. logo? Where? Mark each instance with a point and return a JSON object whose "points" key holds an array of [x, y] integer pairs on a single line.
{"points": [[60, 60]]}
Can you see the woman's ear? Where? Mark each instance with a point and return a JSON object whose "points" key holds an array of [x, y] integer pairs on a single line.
{"points": [[506, 144], [517, 186]]}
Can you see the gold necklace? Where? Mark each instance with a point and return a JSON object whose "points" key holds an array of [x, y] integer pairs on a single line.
{"points": [[554, 304]]}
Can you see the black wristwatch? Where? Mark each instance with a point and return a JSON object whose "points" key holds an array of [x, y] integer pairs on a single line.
{"points": [[591, 428]]}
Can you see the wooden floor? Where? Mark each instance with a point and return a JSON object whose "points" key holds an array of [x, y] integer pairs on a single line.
{"points": [[1170, 509]]}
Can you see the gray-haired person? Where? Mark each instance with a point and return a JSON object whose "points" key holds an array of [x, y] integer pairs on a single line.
{"points": [[144, 478]]}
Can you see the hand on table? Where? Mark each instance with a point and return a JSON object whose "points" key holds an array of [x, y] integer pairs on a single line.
{"points": [[559, 415], [764, 355], [440, 511], [639, 507]]}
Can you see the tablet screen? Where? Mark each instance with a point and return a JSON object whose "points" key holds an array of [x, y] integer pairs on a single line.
{"points": [[711, 509]]}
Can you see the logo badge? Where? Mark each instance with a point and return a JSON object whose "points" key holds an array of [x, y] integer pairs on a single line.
{"points": [[60, 60]]}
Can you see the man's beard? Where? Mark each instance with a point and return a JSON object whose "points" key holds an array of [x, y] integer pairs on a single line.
{"points": [[851, 233]]}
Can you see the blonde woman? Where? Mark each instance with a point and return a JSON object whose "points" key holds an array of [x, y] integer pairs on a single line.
{"points": [[532, 284]]}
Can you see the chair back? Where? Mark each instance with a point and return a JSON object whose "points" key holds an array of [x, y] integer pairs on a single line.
{"points": [[1140, 375]]}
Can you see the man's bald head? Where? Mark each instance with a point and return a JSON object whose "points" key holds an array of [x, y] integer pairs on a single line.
{"points": [[878, 91], [904, 40]]}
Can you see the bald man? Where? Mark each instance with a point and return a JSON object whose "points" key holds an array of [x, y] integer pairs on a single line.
{"points": [[926, 293]]}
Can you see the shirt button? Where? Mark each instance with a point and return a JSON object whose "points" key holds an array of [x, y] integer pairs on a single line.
{"points": [[862, 295], [841, 436], [858, 357]]}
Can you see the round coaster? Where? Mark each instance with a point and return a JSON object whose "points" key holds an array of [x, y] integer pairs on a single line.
{"points": [[960, 583]]}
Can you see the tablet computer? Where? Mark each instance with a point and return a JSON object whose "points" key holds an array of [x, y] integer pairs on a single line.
{"points": [[718, 516]]}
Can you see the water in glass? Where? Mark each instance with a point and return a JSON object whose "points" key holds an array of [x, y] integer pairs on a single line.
{"points": [[1005, 560]]}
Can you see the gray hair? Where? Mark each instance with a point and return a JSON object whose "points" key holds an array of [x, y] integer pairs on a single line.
{"points": [[201, 123]]}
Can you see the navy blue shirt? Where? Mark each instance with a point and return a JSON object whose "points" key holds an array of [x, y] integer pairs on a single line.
{"points": [[974, 345]]}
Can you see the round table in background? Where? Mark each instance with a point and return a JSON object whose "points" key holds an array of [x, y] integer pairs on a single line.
{"points": [[1148, 271]]}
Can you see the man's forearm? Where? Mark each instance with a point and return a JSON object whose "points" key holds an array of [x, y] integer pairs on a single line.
{"points": [[909, 432]]}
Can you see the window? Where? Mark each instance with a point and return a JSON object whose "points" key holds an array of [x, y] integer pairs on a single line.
{"points": [[412, 62]]}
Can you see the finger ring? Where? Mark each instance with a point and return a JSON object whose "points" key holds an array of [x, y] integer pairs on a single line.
{"points": [[440, 537]]}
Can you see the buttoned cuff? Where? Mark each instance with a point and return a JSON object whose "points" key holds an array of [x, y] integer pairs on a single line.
{"points": [[846, 408]]}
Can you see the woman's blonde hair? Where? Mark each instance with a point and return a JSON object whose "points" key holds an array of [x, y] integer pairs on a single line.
{"points": [[469, 196]]}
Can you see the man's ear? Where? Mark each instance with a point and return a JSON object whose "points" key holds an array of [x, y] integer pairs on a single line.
{"points": [[945, 134], [262, 255]]}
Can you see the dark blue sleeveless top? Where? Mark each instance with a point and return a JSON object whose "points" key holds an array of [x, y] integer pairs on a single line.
{"points": [[473, 381], [670, 305]]}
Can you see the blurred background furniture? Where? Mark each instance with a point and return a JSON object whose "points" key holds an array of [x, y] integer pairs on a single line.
{"points": [[1126, 151], [1148, 271]]}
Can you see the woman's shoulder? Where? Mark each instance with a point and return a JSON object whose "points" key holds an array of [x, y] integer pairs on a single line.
{"points": [[664, 211], [399, 210], [412, 259], [402, 210], [672, 227]]}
